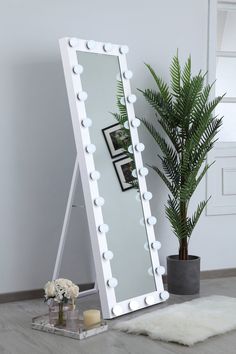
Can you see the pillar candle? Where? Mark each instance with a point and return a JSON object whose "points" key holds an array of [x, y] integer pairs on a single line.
{"points": [[91, 318]]}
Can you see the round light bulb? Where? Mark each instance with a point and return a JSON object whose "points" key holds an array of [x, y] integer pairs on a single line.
{"points": [[73, 42], [124, 49], [104, 228], [90, 149], [86, 122], [164, 295], [112, 283], [126, 125], [143, 171], [133, 305], [135, 122], [139, 147], [117, 310], [78, 69], [134, 173], [156, 245], [95, 175], [149, 300], [130, 149], [108, 255], [90, 44], [122, 101], [107, 47], [151, 220], [131, 98], [160, 270], [99, 201], [142, 222], [128, 74], [147, 195], [82, 96]]}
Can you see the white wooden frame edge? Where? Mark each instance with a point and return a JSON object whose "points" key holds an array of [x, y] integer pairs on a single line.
{"points": [[85, 162]]}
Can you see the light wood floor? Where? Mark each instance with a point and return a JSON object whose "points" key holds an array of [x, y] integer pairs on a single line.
{"points": [[17, 337]]}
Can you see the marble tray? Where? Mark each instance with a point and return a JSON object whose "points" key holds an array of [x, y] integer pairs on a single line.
{"points": [[41, 323]]}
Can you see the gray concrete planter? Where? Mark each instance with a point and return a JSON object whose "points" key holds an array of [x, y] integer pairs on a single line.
{"points": [[183, 277]]}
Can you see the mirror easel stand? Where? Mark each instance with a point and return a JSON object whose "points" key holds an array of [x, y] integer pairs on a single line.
{"points": [[65, 226]]}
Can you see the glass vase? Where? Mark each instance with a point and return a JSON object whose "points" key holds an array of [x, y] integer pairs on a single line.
{"points": [[61, 320], [57, 314]]}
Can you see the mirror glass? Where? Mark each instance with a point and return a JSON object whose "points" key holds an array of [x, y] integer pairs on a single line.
{"points": [[122, 211]]}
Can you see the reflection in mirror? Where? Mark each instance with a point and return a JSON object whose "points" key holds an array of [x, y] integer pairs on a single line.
{"points": [[122, 211]]}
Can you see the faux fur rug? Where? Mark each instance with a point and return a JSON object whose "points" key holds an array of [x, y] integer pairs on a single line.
{"points": [[186, 323]]}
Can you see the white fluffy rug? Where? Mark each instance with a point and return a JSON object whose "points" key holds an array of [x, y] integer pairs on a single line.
{"points": [[186, 323]]}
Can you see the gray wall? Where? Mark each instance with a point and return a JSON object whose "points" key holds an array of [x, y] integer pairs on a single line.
{"points": [[37, 149]]}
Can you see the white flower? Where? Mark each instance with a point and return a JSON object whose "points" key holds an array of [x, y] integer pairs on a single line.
{"points": [[49, 289], [73, 292]]}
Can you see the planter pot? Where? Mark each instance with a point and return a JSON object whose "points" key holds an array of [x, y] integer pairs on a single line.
{"points": [[183, 277]]}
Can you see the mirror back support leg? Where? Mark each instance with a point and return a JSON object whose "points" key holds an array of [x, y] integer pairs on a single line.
{"points": [[65, 228]]}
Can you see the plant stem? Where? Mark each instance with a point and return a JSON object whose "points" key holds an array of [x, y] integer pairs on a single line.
{"points": [[183, 247]]}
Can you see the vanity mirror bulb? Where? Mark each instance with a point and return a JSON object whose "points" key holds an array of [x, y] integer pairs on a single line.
{"points": [[107, 47], [122, 101], [156, 245], [143, 171], [164, 295], [90, 149], [73, 42], [160, 270], [147, 195], [126, 125], [151, 220], [135, 123], [104, 228], [82, 96], [86, 122], [95, 175], [133, 305], [128, 74], [99, 201], [108, 255], [149, 300], [90, 44], [117, 310], [124, 49], [131, 98], [78, 69], [130, 149], [150, 271], [139, 147], [134, 173], [112, 283]]}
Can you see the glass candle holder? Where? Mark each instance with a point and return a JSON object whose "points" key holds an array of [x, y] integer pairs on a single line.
{"points": [[72, 320]]}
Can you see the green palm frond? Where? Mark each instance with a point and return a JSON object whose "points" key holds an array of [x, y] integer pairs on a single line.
{"points": [[186, 116]]}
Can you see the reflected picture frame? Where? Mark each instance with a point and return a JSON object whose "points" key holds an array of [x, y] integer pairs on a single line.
{"points": [[112, 136], [123, 170]]}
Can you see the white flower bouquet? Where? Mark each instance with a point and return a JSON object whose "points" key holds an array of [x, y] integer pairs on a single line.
{"points": [[61, 290]]}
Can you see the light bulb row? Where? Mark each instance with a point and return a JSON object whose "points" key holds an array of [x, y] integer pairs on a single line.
{"points": [[91, 44], [134, 305]]}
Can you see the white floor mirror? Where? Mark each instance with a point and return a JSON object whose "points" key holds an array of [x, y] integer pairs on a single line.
{"points": [[125, 251]]}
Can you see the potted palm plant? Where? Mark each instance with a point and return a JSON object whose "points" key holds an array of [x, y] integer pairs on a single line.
{"points": [[188, 132]]}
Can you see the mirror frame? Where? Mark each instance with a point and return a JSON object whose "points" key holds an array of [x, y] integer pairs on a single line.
{"points": [[77, 98]]}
